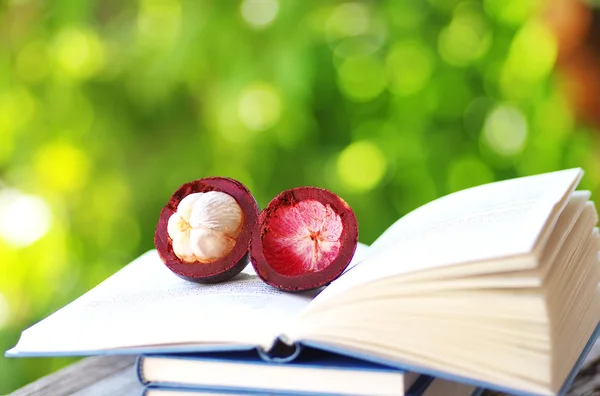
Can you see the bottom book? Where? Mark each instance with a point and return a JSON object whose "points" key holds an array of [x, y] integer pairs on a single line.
{"points": [[435, 387], [245, 373]]}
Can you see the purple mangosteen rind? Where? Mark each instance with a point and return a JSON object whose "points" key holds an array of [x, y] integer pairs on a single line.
{"points": [[311, 280], [226, 267]]}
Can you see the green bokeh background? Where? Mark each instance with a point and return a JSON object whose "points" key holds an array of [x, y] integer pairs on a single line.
{"points": [[106, 107]]}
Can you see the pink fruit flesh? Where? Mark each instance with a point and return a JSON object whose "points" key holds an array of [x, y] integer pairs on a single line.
{"points": [[304, 238]]}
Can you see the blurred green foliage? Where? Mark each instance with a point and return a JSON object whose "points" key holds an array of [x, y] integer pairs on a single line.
{"points": [[106, 107]]}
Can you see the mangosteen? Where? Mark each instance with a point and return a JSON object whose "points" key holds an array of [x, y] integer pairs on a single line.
{"points": [[303, 239], [203, 233]]}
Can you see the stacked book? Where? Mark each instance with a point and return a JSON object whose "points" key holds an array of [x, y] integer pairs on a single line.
{"points": [[315, 373], [492, 287]]}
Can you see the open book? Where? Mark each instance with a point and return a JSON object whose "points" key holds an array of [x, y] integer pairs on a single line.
{"points": [[497, 285]]}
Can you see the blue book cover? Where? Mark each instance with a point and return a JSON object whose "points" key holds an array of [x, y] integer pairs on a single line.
{"points": [[249, 370], [308, 358], [420, 388], [166, 391]]}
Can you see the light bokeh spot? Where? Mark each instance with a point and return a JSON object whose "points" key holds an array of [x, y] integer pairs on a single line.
{"points": [[4, 311], [159, 21], [259, 107], [513, 12], [24, 218], [361, 166], [505, 131], [259, 13], [361, 78], [348, 19], [358, 46], [532, 53], [17, 108], [62, 166], [79, 53], [465, 39], [409, 66]]}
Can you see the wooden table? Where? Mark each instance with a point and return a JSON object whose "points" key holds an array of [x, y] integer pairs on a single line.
{"points": [[94, 376], [115, 376]]}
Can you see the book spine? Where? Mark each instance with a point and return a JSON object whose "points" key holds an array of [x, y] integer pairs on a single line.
{"points": [[280, 352], [139, 370]]}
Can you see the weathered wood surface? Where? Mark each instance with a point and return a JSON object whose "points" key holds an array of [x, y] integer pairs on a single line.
{"points": [[94, 376], [115, 376]]}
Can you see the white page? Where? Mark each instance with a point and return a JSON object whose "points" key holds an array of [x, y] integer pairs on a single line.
{"points": [[487, 222], [146, 304]]}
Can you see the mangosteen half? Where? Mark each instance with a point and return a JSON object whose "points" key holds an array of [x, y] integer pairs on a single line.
{"points": [[303, 239], [203, 233]]}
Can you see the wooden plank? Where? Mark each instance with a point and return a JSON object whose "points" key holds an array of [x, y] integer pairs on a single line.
{"points": [[79, 376], [122, 383]]}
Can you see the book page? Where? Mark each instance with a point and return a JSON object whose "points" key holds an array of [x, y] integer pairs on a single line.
{"points": [[146, 304], [488, 222]]}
